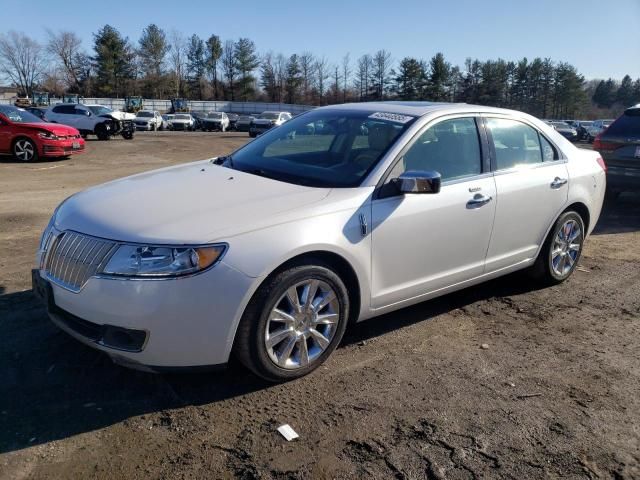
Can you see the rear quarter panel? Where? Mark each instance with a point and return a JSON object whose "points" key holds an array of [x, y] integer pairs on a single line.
{"points": [[587, 182]]}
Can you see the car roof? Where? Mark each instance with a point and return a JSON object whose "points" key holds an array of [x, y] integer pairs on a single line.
{"points": [[418, 109]]}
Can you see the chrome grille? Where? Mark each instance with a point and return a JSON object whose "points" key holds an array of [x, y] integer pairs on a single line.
{"points": [[72, 258]]}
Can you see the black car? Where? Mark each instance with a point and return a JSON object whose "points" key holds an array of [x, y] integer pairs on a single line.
{"points": [[233, 119], [581, 127], [619, 146], [198, 120]]}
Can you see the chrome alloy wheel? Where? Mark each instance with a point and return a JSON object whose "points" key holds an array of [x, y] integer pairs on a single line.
{"points": [[566, 247], [24, 150], [302, 324]]}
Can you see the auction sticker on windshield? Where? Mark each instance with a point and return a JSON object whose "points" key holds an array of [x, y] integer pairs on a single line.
{"points": [[393, 117]]}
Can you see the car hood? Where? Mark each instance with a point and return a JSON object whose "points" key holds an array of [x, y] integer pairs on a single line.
{"points": [[119, 115], [55, 128], [188, 204]]}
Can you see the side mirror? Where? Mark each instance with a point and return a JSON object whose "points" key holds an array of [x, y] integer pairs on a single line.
{"points": [[415, 181]]}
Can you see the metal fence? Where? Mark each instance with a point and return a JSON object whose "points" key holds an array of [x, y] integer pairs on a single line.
{"points": [[196, 105]]}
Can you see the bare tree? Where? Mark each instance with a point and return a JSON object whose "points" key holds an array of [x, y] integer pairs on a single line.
{"points": [[321, 67], [381, 74], [346, 71], [306, 72], [364, 73], [177, 59], [66, 48], [229, 66], [22, 60]]}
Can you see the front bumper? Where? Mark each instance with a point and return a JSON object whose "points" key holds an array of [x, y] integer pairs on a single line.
{"points": [[170, 323], [61, 148], [144, 126]]}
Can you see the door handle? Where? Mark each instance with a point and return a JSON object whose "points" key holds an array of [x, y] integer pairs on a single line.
{"points": [[558, 182], [479, 200]]}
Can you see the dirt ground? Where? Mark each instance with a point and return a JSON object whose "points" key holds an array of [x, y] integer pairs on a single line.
{"points": [[409, 395]]}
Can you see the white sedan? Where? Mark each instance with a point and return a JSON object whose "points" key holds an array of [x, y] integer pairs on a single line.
{"points": [[337, 216]]}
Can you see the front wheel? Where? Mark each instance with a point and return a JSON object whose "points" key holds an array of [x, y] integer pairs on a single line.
{"points": [[102, 132], [127, 135], [293, 322], [25, 150], [561, 250]]}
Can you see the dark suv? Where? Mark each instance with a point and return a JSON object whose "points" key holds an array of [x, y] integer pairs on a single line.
{"points": [[619, 146]]}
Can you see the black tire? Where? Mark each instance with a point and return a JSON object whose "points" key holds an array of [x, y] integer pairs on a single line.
{"points": [[127, 135], [253, 135], [249, 345], [24, 150], [543, 269], [101, 132]]}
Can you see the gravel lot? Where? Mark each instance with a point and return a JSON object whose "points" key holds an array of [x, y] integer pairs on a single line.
{"points": [[408, 395]]}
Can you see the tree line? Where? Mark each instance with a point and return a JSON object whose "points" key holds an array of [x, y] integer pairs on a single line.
{"points": [[168, 64]]}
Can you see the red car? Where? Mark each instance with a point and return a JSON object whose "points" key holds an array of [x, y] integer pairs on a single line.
{"points": [[28, 137]]}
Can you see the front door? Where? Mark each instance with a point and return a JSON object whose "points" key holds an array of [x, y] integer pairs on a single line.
{"points": [[423, 243]]}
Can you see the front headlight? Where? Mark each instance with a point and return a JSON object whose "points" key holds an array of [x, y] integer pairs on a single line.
{"points": [[48, 135], [161, 261]]}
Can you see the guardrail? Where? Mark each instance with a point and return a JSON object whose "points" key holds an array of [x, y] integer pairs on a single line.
{"points": [[195, 105]]}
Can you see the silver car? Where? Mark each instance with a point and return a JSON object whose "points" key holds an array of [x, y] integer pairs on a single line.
{"points": [[337, 216]]}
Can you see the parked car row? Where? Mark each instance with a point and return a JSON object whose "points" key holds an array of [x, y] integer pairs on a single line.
{"points": [[579, 130]]}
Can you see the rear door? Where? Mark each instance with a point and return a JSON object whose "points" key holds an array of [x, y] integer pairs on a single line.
{"points": [[532, 184], [620, 149]]}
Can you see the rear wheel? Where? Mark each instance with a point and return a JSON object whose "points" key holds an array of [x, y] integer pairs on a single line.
{"points": [[25, 150], [293, 323], [561, 251]]}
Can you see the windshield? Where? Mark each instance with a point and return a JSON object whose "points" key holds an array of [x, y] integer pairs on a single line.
{"points": [[145, 114], [214, 115], [269, 116], [606, 123], [323, 148], [183, 117], [19, 115], [100, 110]]}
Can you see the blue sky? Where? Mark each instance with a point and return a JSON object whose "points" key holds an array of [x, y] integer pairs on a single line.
{"points": [[599, 37]]}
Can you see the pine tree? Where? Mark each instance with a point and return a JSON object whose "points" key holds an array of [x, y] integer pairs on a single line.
{"points": [[624, 95], [114, 62], [293, 79], [213, 54], [152, 50], [246, 61], [439, 78], [410, 79], [196, 64]]}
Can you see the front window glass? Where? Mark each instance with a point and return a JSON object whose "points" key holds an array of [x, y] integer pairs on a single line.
{"points": [[100, 110], [516, 144], [269, 116], [19, 115], [183, 117], [451, 148], [145, 114], [323, 148], [214, 115]]}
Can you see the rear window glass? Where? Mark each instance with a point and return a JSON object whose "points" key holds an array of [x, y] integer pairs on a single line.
{"points": [[628, 124]]}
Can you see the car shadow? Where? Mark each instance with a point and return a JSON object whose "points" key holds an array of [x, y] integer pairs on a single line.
{"points": [[53, 387], [620, 215]]}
